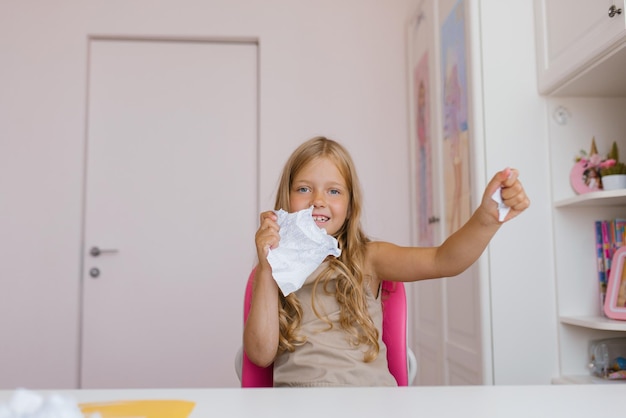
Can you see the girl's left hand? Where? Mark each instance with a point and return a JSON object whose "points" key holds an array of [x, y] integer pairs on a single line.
{"points": [[512, 192]]}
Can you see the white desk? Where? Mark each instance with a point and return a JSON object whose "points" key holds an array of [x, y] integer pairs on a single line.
{"points": [[570, 401]]}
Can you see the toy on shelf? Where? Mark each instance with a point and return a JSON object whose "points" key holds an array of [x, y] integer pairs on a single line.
{"points": [[592, 172], [608, 358]]}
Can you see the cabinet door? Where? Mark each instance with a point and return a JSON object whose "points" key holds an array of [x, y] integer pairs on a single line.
{"points": [[572, 34]]}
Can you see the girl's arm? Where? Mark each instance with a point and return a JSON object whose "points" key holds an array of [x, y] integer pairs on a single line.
{"points": [[261, 330], [461, 249]]}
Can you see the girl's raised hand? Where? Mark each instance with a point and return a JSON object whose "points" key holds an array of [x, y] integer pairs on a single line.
{"points": [[512, 192], [267, 236]]}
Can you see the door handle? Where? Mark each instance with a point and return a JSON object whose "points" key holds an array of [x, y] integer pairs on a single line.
{"points": [[95, 251], [614, 11]]}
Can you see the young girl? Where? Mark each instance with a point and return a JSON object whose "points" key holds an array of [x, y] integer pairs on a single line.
{"points": [[328, 333]]}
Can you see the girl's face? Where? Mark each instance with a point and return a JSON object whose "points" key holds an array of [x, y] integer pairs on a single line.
{"points": [[320, 184]]}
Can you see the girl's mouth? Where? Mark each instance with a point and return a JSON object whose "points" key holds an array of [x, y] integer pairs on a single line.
{"points": [[320, 219]]}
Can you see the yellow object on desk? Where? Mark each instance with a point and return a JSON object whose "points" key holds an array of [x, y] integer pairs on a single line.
{"points": [[157, 408]]}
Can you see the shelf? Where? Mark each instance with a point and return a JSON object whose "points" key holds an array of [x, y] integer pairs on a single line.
{"points": [[594, 322], [601, 198]]}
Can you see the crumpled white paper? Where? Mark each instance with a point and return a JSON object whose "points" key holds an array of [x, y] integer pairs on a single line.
{"points": [[502, 208], [303, 247], [28, 404]]}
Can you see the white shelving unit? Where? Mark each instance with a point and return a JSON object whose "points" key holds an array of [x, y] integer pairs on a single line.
{"points": [[581, 53], [578, 302]]}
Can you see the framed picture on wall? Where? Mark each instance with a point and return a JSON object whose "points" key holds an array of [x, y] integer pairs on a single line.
{"points": [[456, 134], [423, 151]]}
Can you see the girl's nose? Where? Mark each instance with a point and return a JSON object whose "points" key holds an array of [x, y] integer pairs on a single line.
{"points": [[318, 199]]}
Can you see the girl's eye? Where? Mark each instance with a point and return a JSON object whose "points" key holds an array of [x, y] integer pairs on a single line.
{"points": [[335, 191], [302, 189]]}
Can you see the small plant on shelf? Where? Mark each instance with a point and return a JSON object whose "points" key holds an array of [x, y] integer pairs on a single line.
{"points": [[612, 165], [613, 171]]}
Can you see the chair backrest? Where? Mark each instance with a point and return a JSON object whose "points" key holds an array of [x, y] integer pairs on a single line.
{"points": [[394, 337]]}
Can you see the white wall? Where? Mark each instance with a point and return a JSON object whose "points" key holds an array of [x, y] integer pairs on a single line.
{"points": [[42, 112], [327, 67], [521, 274]]}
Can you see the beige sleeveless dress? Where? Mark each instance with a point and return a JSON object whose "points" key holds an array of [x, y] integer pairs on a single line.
{"points": [[327, 358]]}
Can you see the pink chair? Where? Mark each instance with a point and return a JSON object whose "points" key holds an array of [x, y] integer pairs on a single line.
{"points": [[402, 362]]}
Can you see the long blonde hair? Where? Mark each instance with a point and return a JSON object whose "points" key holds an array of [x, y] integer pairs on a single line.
{"points": [[348, 268]]}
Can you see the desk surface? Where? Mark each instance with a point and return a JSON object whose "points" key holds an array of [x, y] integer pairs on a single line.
{"points": [[569, 401]]}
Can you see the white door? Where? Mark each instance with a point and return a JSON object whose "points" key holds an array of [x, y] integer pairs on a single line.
{"points": [[171, 203]]}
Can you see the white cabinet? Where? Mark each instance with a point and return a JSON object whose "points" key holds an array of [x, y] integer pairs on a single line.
{"points": [[581, 54], [581, 41]]}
